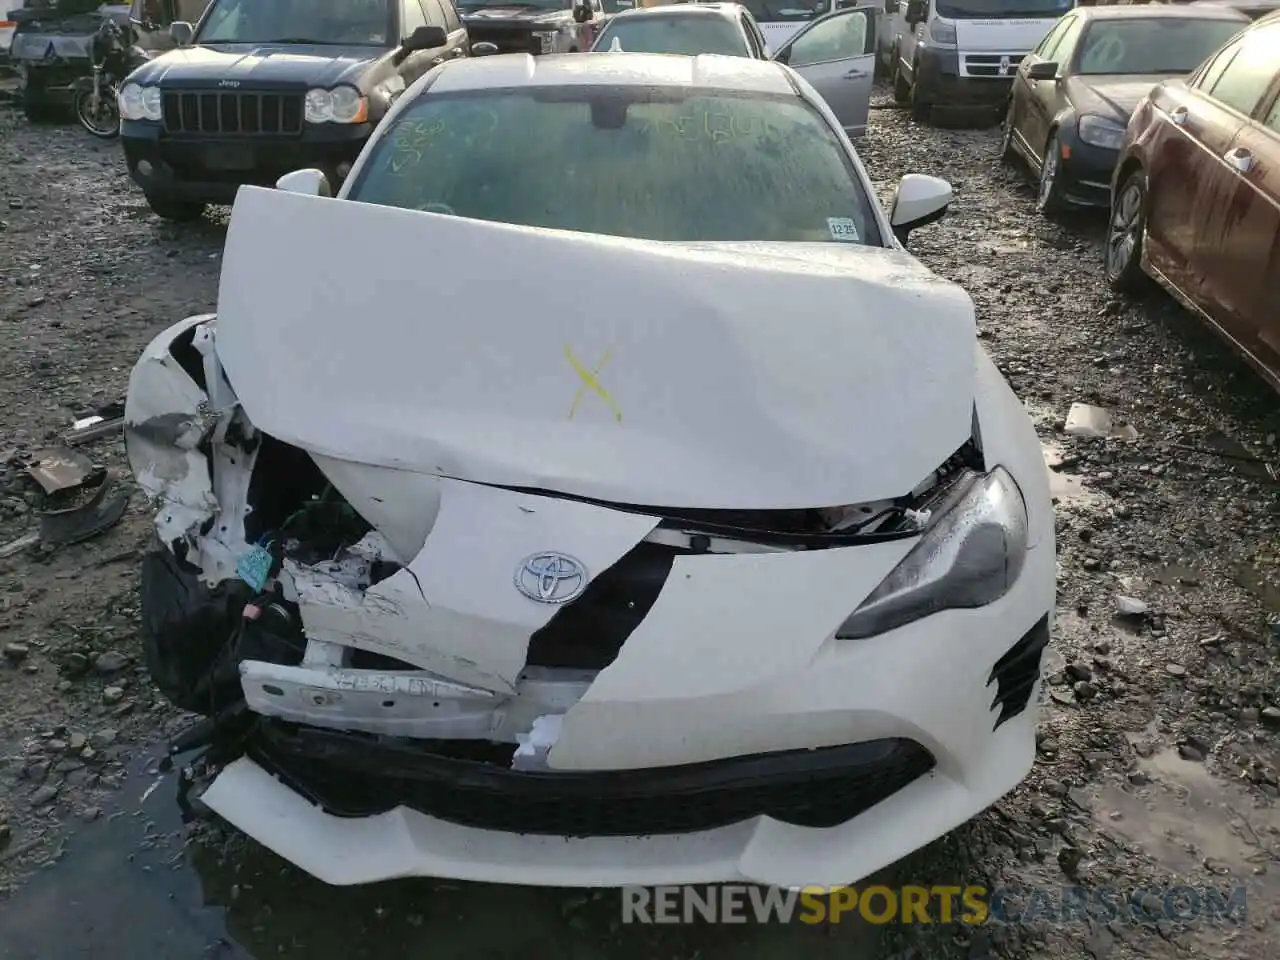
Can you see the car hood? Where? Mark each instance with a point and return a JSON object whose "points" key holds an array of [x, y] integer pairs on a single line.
{"points": [[1115, 96], [270, 64], [739, 376]]}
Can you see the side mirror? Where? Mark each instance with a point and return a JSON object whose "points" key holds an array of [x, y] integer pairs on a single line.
{"points": [[425, 38], [917, 11], [181, 32], [1042, 70], [484, 49], [918, 201], [311, 181], [582, 13], [890, 6]]}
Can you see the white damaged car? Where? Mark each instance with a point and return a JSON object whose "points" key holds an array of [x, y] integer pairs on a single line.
{"points": [[606, 497]]}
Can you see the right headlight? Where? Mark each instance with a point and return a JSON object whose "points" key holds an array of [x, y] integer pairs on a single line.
{"points": [[340, 105], [138, 102], [943, 33], [969, 557]]}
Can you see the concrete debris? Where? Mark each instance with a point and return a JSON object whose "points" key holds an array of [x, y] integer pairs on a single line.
{"points": [[1086, 420]]}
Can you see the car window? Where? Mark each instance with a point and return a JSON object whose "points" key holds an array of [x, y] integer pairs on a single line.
{"points": [[412, 17], [452, 21], [189, 11], [1273, 117], [1151, 45], [1066, 45], [1208, 74], [839, 37], [1050, 43], [435, 13], [1251, 71], [656, 163], [756, 49], [684, 34], [355, 22]]}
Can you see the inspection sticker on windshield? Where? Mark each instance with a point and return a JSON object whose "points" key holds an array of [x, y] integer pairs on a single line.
{"points": [[843, 229]]}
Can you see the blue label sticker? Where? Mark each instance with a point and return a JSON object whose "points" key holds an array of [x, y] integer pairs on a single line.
{"points": [[255, 567]]}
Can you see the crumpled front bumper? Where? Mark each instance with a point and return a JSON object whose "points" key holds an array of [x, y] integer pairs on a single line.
{"points": [[931, 684]]}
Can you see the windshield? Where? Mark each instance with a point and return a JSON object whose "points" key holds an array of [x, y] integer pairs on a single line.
{"points": [[683, 34], [646, 162], [1151, 46], [787, 11], [1002, 9], [355, 22]]}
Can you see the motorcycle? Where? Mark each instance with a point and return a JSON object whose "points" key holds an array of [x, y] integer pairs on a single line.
{"points": [[95, 97]]}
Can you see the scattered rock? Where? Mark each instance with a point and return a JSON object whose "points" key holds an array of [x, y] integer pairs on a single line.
{"points": [[1190, 752], [1175, 669], [1131, 606], [16, 652], [112, 695], [110, 662], [44, 796]]}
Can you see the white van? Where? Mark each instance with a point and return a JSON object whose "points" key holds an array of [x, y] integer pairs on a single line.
{"points": [[7, 24], [961, 52]]}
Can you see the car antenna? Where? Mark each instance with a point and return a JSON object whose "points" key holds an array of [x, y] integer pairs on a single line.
{"points": [[616, 46]]}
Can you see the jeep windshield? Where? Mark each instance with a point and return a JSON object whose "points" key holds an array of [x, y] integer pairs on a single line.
{"points": [[319, 22], [1002, 9], [654, 163]]}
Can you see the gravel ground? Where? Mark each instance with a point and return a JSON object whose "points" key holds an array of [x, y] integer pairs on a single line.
{"points": [[1158, 742]]}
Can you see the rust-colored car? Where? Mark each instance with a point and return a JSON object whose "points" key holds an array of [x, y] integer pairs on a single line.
{"points": [[1195, 198]]}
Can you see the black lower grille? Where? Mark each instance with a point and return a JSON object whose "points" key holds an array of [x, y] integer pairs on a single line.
{"points": [[587, 633], [354, 776], [248, 114], [1015, 674]]}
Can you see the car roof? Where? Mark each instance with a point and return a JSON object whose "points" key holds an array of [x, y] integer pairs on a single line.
{"points": [[705, 71], [1162, 11], [724, 11]]}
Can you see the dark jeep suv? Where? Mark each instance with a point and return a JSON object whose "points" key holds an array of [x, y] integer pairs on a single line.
{"points": [[257, 89]]}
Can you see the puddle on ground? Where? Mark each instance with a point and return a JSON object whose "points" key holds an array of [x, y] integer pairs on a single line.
{"points": [[131, 897], [1251, 579], [1067, 489], [1192, 823]]}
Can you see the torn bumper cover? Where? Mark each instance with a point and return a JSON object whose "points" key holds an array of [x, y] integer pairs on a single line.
{"points": [[458, 659]]}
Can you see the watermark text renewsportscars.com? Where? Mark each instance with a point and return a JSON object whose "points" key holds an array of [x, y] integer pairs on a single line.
{"points": [[969, 904]]}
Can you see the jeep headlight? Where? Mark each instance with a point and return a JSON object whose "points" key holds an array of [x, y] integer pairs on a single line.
{"points": [[138, 102], [339, 105], [547, 38], [969, 557]]}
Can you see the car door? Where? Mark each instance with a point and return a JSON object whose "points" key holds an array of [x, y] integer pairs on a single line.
{"points": [[1234, 247], [1023, 89], [836, 54], [1185, 174], [1047, 97], [1225, 209]]}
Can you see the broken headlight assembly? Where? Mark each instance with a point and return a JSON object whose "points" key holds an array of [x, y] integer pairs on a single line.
{"points": [[968, 557]]}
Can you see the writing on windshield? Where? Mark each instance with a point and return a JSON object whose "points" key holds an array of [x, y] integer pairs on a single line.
{"points": [[1151, 46], [323, 22], [1001, 9]]}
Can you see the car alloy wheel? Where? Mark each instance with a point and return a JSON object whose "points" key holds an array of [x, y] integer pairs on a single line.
{"points": [[1124, 236], [1049, 201]]}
